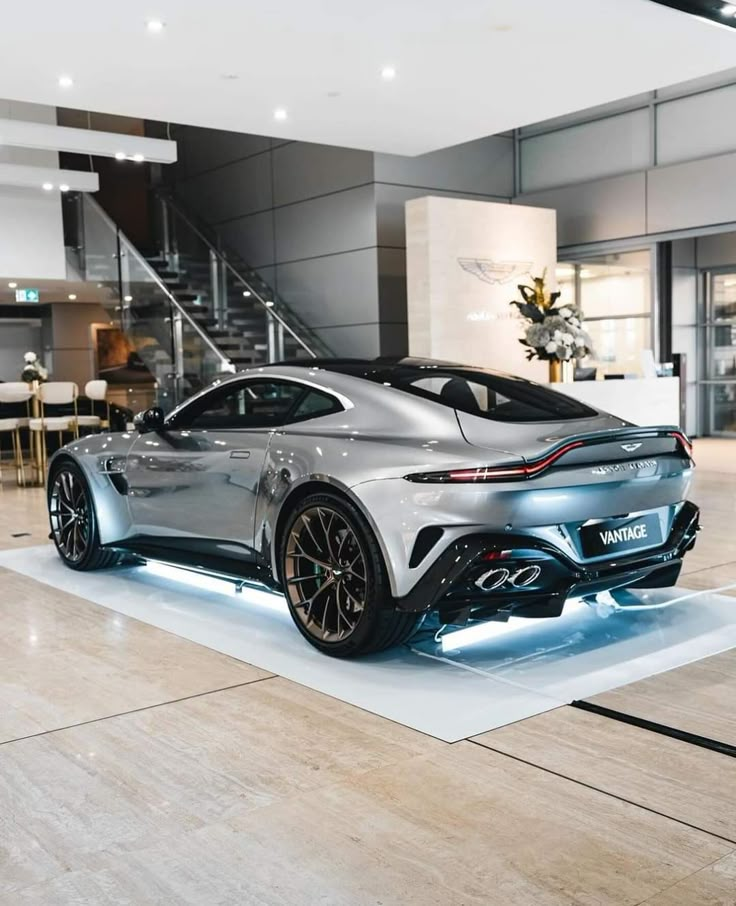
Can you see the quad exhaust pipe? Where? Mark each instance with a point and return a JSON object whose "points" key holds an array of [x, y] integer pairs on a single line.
{"points": [[501, 576]]}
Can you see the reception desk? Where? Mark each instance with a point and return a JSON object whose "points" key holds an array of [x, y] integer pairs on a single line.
{"points": [[645, 401]]}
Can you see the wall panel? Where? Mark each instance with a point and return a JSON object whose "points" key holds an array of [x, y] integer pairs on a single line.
{"points": [[595, 211], [334, 223], [483, 167], [693, 194], [252, 237], [617, 144], [302, 170], [697, 126], [237, 189], [332, 290]]}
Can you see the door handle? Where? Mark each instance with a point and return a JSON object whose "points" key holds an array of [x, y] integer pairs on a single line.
{"points": [[240, 454]]}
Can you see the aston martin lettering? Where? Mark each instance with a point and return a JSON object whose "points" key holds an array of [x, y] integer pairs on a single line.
{"points": [[625, 533], [624, 467]]}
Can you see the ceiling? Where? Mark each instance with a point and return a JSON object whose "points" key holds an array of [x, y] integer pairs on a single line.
{"points": [[464, 69]]}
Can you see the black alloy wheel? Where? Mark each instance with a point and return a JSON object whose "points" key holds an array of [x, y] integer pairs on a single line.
{"points": [[73, 520], [335, 580]]}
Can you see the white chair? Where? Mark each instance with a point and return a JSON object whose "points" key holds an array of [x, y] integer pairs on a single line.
{"points": [[55, 393], [15, 392], [97, 392]]}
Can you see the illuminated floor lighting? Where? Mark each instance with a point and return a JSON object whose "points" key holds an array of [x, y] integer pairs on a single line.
{"points": [[227, 587], [483, 632]]}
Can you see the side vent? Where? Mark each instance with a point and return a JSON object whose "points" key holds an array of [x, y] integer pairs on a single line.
{"points": [[426, 540]]}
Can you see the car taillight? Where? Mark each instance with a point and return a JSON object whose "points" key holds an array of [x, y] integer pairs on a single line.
{"points": [[684, 441], [510, 472]]}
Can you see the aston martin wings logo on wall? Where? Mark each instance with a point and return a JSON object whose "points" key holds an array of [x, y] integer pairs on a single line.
{"points": [[495, 271]]}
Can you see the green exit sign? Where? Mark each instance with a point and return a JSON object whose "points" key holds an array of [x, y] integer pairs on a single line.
{"points": [[27, 295]]}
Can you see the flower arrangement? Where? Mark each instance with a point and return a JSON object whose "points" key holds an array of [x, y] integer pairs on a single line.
{"points": [[33, 370], [553, 334]]}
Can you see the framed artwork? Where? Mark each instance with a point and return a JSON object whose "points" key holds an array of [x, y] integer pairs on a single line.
{"points": [[116, 359]]}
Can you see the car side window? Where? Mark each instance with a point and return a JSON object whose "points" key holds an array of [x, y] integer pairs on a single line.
{"points": [[313, 404], [253, 404]]}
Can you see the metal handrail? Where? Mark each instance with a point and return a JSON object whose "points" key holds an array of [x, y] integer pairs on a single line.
{"points": [[165, 199], [155, 278]]}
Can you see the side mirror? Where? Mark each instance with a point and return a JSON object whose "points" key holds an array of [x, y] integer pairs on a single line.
{"points": [[149, 421]]}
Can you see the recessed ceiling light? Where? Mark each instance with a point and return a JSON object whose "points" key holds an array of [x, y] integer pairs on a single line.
{"points": [[12, 285], [47, 186], [72, 296], [138, 158], [65, 81], [388, 73], [246, 293], [269, 304], [127, 298], [63, 187], [155, 25], [280, 114], [120, 155], [728, 10]]}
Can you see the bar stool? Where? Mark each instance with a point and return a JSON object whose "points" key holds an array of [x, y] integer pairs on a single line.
{"points": [[97, 392], [10, 393], [55, 393]]}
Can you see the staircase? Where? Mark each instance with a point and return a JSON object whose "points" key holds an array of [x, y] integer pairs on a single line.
{"points": [[189, 310], [231, 302]]}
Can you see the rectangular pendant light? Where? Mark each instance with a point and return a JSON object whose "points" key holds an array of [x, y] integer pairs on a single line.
{"points": [[21, 134], [48, 179]]}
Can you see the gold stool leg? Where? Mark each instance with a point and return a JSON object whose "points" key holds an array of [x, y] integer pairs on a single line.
{"points": [[44, 455], [19, 465]]}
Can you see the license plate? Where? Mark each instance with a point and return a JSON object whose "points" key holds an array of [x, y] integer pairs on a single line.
{"points": [[615, 536]]}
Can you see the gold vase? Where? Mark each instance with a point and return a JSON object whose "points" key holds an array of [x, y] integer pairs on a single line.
{"points": [[555, 371]]}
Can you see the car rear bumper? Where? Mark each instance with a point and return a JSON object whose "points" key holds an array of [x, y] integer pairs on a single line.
{"points": [[450, 584]]}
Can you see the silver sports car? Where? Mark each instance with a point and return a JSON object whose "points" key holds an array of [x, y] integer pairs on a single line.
{"points": [[375, 492]]}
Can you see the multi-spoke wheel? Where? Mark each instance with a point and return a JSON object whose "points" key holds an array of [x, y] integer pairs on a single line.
{"points": [[73, 520], [335, 580]]}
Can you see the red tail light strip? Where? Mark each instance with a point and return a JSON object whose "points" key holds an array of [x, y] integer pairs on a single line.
{"points": [[528, 470], [684, 441], [531, 469]]}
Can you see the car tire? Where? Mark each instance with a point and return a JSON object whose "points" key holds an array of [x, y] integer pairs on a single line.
{"points": [[335, 580], [73, 520]]}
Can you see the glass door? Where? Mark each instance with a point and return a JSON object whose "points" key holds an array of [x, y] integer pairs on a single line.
{"points": [[718, 385]]}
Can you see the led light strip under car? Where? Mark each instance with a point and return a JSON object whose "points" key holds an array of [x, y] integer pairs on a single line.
{"points": [[529, 469]]}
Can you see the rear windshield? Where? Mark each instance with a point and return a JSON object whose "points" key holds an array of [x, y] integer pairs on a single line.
{"points": [[483, 393]]}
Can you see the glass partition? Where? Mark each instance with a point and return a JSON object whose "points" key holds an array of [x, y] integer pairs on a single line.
{"points": [[614, 292], [718, 387]]}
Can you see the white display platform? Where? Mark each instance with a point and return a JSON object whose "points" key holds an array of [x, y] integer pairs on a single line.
{"points": [[534, 666], [643, 401]]}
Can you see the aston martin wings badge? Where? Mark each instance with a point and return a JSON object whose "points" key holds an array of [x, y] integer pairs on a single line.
{"points": [[494, 271]]}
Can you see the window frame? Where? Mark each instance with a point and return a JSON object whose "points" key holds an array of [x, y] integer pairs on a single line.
{"points": [[182, 418]]}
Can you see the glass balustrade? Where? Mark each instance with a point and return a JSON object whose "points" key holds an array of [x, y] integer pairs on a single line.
{"points": [[162, 354], [245, 314]]}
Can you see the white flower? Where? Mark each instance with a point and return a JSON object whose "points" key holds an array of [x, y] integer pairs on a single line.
{"points": [[567, 339], [575, 322], [565, 312], [579, 341], [557, 335], [43, 373], [551, 347], [30, 357]]}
